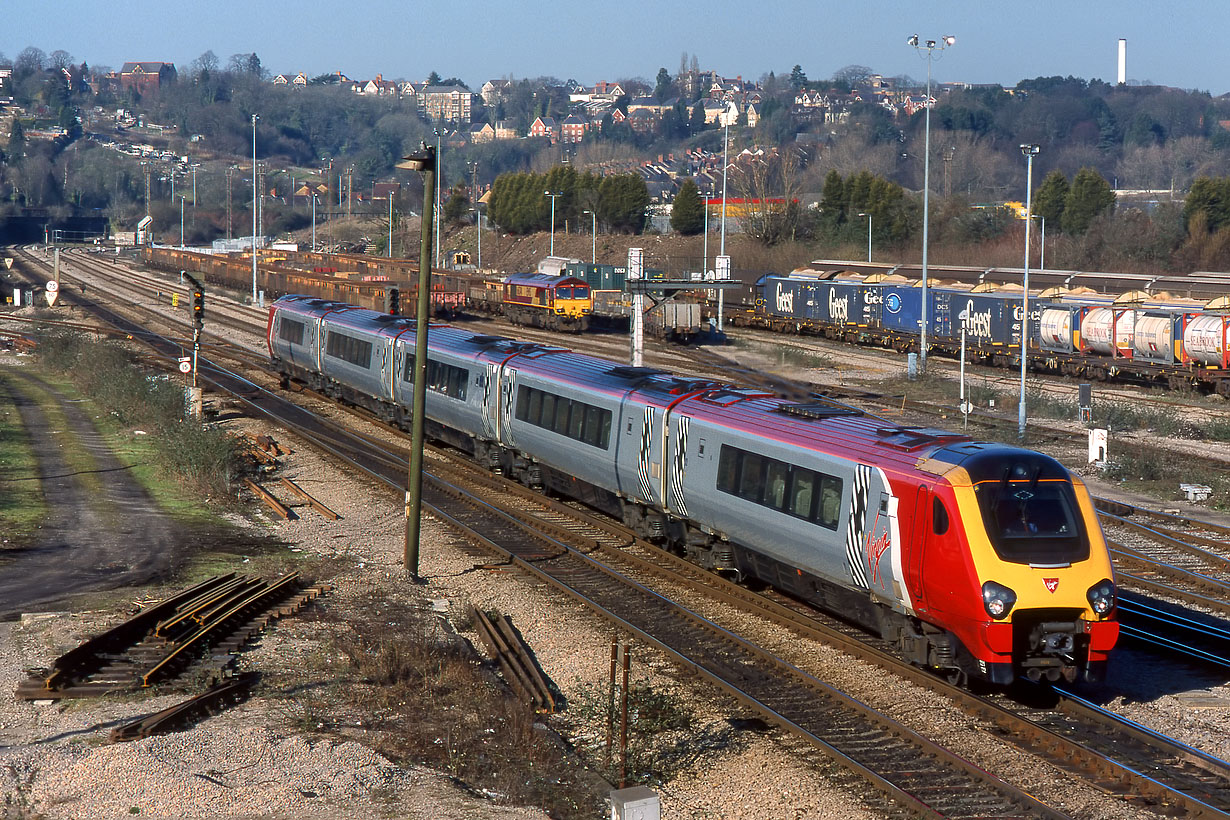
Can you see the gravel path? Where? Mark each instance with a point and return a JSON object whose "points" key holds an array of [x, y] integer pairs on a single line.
{"points": [[102, 529]]}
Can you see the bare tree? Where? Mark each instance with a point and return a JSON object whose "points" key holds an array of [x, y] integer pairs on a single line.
{"points": [[59, 60], [29, 61], [852, 75], [206, 63], [768, 182]]}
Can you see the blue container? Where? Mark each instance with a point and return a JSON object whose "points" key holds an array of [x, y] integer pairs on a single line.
{"points": [[901, 308]]}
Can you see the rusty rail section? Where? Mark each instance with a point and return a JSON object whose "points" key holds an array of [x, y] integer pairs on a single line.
{"points": [[202, 627], [211, 701], [270, 500], [324, 511], [515, 659]]}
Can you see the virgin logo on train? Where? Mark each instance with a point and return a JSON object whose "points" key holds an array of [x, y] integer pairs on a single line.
{"points": [[785, 301], [1052, 584], [892, 303], [839, 309]]}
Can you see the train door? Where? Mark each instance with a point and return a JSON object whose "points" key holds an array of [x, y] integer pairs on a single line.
{"points": [[650, 455], [507, 387], [674, 461], [490, 399], [920, 524]]}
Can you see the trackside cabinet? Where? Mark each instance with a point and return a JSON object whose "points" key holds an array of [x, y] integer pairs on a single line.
{"points": [[635, 803]]}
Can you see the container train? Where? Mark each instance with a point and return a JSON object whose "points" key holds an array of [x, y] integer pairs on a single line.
{"points": [[976, 559], [1132, 336]]}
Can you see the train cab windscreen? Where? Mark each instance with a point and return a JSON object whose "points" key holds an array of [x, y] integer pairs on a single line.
{"points": [[1029, 508], [575, 292]]}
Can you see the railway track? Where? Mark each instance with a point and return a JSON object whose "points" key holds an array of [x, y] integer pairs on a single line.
{"points": [[552, 551], [198, 629]]}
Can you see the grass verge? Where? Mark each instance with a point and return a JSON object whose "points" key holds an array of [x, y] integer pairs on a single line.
{"points": [[21, 500]]}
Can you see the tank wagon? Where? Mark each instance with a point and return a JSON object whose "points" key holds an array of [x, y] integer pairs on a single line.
{"points": [[975, 559], [1133, 336]]}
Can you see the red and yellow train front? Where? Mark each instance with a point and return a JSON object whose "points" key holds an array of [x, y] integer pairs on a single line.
{"points": [[1025, 580]]}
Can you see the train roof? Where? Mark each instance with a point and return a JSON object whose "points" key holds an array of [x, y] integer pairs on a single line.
{"points": [[543, 280]]}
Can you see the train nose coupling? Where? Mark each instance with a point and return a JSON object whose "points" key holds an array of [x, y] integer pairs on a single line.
{"points": [[1057, 643]]}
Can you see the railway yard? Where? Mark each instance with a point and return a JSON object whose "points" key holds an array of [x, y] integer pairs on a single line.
{"points": [[767, 707]]}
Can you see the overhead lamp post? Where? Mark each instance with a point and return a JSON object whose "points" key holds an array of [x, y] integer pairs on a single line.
{"points": [[868, 236], [553, 196], [424, 161], [722, 252], [194, 166], [1030, 151], [930, 46], [1042, 259], [181, 220], [313, 222], [593, 252], [254, 207], [390, 254], [478, 219], [439, 153]]}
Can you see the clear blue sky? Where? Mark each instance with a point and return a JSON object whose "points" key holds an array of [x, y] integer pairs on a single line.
{"points": [[476, 40]]}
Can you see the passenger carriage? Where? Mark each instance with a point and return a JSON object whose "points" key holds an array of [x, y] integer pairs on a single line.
{"points": [[974, 559]]}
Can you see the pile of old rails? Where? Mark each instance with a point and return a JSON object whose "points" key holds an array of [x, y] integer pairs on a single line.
{"points": [[200, 629], [516, 661], [212, 700]]}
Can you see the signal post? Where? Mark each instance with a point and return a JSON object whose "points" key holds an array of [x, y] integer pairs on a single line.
{"points": [[198, 324]]}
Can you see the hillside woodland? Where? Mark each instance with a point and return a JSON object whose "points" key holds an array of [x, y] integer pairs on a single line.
{"points": [[814, 188]]}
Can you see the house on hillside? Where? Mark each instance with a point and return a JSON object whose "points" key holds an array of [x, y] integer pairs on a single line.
{"points": [[572, 129], [544, 127], [505, 130], [493, 91], [146, 77], [481, 132]]}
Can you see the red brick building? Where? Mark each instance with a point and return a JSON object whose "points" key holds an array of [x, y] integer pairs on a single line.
{"points": [[146, 77]]}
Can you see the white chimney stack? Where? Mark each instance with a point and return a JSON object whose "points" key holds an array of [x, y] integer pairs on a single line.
{"points": [[1122, 61]]}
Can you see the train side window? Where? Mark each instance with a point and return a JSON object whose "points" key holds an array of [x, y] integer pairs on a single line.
{"points": [[576, 422], [547, 417], [526, 399], [830, 501], [728, 469], [751, 477], [939, 517], [562, 406], [775, 484], [290, 331], [802, 491], [593, 425]]}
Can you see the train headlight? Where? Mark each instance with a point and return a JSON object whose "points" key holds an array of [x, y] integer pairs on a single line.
{"points": [[1102, 596], [997, 599]]}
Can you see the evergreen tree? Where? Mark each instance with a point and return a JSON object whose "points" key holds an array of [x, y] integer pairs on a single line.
{"points": [[1089, 197], [834, 201], [17, 142], [797, 78], [1211, 198], [622, 201], [662, 88], [688, 211], [1049, 201]]}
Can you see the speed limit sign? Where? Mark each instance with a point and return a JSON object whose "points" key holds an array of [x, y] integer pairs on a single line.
{"points": [[53, 286], [185, 365]]}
